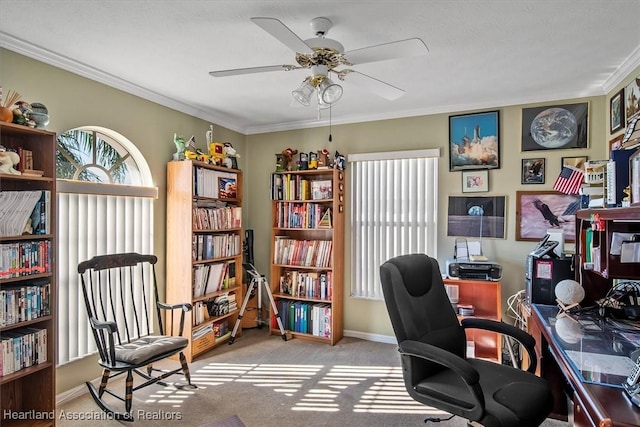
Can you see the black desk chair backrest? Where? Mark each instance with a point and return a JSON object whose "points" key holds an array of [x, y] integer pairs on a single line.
{"points": [[432, 344], [121, 299]]}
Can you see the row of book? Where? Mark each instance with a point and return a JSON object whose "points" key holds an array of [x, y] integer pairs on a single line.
{"points": [[296, 187], [302, 215], [307, 284], [307, 253], [210, 246], [25, 212], [22, 348], [214, 183], [24, 303], [220, 218], [209, 278], [25, 258], [305, 317]]}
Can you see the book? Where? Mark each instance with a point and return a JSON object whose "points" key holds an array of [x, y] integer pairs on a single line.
{"points": [[321, 189]]}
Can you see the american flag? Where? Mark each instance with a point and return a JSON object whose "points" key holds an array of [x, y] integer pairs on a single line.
{"points": [[569, 180]]}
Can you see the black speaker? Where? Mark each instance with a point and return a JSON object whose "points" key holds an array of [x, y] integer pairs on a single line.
{"points": [[248, 247]]}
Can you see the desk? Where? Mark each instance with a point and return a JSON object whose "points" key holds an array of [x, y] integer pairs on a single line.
{"points": [[584, 394]]}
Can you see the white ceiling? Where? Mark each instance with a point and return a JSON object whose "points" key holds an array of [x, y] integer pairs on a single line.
{"points": [[482, 54]]}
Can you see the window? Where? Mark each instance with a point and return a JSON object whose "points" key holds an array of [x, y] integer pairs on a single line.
{"points": [[97, 215], [394, 211]]}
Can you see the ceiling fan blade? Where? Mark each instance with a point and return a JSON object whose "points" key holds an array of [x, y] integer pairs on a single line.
{"points": [[391, 50], [281, 32], [251, 70], [378, 87]]}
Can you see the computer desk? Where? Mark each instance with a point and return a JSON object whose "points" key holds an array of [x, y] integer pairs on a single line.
{"points": [[585, 393]]}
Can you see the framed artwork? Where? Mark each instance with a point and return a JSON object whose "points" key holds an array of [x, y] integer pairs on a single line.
{"points": [[615, 144], [476, 216], [632, 98], [227, 188], [575, 161], [533, 171], [474, 141], [616, 112], [539, 211], [475, 181], [554, 127]]}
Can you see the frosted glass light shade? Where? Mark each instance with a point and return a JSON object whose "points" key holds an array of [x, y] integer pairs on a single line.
{"points": [[569, 292], [329, 91], [303, 93]]}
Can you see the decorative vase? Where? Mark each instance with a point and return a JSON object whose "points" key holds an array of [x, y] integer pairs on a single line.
{"points": [[6, 114]]}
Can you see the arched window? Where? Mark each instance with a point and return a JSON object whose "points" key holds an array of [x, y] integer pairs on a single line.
{"points": [[105, 205]]}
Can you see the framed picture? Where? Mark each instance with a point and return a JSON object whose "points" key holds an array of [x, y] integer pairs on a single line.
{"points": [[476, 216], [227, 188], [533, 171], [474, 141], [615, 144], [575, 161], [554, 127], [616, 112], [475, 181], [539, 211], [632, 98]]}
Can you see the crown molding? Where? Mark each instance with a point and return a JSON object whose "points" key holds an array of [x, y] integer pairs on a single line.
{"points": [[622, 72], [43, 55]]}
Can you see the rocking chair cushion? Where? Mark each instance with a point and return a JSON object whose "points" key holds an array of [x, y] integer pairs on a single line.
{"points": [[148, 348]]}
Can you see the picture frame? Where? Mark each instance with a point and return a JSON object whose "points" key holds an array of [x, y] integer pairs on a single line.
{"points": [[475, 181], [632, 99], [540, 211], [616, 112], [474, 141], [533, 171], [227, 188], [615, 144], [574, 161], [463, 219], [555, 127]]}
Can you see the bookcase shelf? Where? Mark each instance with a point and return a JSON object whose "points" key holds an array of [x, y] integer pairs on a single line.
{"points": [[307, 253], [25, 389], [196, 224]]}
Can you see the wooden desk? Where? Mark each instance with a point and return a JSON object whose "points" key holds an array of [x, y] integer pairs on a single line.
{"points": [[581, 403]]}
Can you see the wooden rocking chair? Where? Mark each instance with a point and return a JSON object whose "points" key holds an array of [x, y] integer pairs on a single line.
{"points": [[121, 304]]}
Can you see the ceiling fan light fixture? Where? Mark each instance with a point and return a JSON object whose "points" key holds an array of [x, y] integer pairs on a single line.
{"points": [[303, 93], [330, 92]]}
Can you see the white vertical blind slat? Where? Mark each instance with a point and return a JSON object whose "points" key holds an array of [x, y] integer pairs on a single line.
{"points": [[394, 212]]}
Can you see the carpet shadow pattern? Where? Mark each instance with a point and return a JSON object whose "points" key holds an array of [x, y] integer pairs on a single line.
{"points": [[265, 382]]}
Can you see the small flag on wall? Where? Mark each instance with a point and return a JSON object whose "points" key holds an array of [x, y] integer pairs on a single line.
{"points": [[569, 180]]}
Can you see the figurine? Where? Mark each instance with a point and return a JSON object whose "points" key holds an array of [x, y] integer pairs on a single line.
{"points": [[323, 159], [339, 161], [179, 143], [313, 160], [7, 160], [216, 153], [288, 154], [230, 156], [303, 163], [279, 162], [191, 152]]}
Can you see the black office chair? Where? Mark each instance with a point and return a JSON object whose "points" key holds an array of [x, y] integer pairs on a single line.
{"points": [[123, 310], [432, 345]]}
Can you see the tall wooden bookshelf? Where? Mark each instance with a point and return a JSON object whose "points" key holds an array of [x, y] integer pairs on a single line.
{"points": [[204, 242], [27, 388], [307, 253]]}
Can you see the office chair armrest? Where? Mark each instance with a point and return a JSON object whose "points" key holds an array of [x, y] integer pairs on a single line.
{"points": [[524, 338], [441, 357]]}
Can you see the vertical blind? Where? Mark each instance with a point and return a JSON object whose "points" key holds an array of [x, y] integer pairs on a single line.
{"points": [[89, 225], [393, 212]]}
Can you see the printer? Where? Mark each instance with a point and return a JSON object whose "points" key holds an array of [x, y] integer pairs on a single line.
{"points": [[474, 270]]}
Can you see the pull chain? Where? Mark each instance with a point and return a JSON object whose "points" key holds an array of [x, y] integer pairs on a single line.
{"points": [[330, 137]]}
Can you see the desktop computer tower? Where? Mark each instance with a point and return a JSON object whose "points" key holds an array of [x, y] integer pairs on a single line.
{"points": [[542, 275]]}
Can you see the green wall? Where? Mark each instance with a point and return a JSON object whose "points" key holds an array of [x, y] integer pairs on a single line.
{"points": [[76, 101]]}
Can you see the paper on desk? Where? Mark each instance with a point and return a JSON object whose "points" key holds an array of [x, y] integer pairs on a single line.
{"points": [[601, 363]]}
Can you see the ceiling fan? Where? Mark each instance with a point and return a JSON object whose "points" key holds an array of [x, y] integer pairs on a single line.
{"points": [[323, 56]]}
